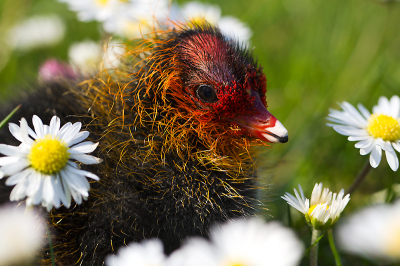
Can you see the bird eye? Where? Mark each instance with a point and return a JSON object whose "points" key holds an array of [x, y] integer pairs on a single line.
{"points": [[206, 94]]}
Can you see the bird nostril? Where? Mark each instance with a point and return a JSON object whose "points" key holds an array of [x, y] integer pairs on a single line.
{"points": [[264, 122]]}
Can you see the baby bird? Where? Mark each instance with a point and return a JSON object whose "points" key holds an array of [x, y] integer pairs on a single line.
{"points": [[175, 124]]}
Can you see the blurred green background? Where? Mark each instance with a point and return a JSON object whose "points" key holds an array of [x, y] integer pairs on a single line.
{"points": [[315, 53]]}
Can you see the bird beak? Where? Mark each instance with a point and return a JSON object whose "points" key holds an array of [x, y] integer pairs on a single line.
{"points": [[263, 125]]}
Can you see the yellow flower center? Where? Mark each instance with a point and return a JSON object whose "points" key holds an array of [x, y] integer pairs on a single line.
{"points": [[393, 244], [48, 155], [234, 263], [105, 2], [102, 2], [311, 209], [199, 20], [385, 127]]}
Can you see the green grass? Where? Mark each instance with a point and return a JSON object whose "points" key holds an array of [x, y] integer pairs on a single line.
{"points": [[315, 53]]}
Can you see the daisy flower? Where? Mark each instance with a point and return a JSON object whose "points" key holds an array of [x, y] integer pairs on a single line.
{"points": [[323, 210], [373, 233], [141, 17], [242, 242], [199, 13], [146, 253], [374, 132], [37, 32], [85, 56], [21, 234], [41, 166], [99, 10]]}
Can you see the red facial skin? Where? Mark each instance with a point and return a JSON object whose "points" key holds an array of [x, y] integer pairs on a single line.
{"points": [[240, 85]]}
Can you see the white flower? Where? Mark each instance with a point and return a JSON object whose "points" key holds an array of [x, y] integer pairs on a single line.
{"points": [[373, 232], [198, 12], [21, 234], [374, 132], [85, 56], [99, 10], [113, 52], [41, 168], [242, 242], [141, 17], [235, 29], [37, 32], [323, 210], [146, 253]]}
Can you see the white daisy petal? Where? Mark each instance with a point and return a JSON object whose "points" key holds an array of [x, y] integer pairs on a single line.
{"points": [[24, 132], [348, 131], [9, 150], [382, 107], [83, 173], [375, 157], [358, 138], [11, 169], [54, 125], [71, 133], [396, 145], [15, 130], [18, 192], [48, 190], [8, 160], [395, 106], [64, 129], [16, 178], [364, 143], [86, 159], [364, 111], [368, 149], [79, 137], [35, 183], [38, 125], [84, 147], [67, 202], [354, 114], [392, 159]]}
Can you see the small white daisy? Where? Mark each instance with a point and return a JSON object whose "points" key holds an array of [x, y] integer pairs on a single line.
{"points": [[22, 233], [374, 132], [323, 210], [113, 52], [141, 17], [146, 253], [41, 168], [99, 10], [233, 28], [85, 56], [242, 242], [37, 32], [373, 233], [199, 13]]}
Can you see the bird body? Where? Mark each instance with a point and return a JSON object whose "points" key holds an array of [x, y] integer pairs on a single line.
{"points": [[175, 124]]}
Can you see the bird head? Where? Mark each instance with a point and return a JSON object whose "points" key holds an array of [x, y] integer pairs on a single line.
{"points": [[217, 83], [195, 89]]}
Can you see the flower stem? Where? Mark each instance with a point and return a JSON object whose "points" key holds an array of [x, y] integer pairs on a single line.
{"points": [[314, 248], [361, 176], [333, 248], [53, 262]]}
